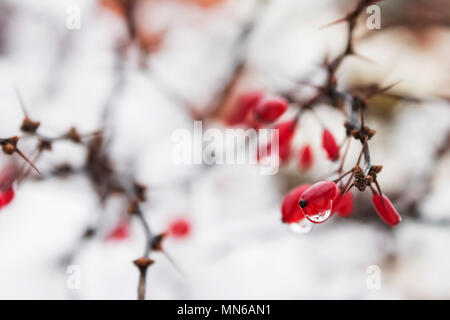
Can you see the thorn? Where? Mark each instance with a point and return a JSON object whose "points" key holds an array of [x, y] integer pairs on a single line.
{"points": [[387, 88], [364, 58], [26, 159], [334, 22], [24, 171], [348, 188], [173, 263], [21, 102]]}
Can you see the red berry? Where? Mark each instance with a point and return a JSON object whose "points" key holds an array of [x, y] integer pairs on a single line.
{"points": [[120, 232], [251, 122], [330, 145], [386, 210], [317, 201], [286, 132], [244, 104], [179, 228], [306, 157], [290, 211], [343, 204], [270, 110], [6, 197]]}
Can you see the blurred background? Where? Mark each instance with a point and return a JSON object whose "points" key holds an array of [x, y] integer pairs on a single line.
{"points": [[139, 70]]}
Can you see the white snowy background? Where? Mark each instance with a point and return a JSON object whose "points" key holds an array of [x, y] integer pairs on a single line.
{"points": [[238, 248]]}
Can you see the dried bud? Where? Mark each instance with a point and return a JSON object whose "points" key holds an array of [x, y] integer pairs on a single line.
{"points": [[140, 190], [157, 242], [74, 135], [89, 233], [62, 170], [29, 125], [375, 169], [143, 263], [133, 207], [361, 181], [8, 148], [45, 145]]}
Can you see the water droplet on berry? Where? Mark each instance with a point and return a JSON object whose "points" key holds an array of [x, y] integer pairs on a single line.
{"points": [[320, 216], [317, 201], [303, 226]]}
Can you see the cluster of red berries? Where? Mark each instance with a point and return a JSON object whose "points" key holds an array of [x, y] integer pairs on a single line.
{"points": [[252, 109], [318, 202]]}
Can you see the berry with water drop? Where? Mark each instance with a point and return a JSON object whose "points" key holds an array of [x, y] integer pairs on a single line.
{"points": [[317, 201]]}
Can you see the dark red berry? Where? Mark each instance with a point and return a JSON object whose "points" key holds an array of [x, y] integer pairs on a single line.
{"points": [[244, 104], [290, 211], [306, 157], [330, 145], [317, 201], [386, 210], [179, 228], [269, 110], [343, 204]]}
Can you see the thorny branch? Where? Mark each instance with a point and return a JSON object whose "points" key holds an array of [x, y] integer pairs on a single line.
{"points": [[99, 167]]}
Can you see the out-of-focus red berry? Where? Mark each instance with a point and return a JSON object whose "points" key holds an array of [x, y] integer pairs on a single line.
{"points": [[286, 132], [252, 123], [386, 210], [306, 157], [179, 228], [290, 211], [244, 104], [330, 145], [317, 201], [269, 110], [6, 197], [343, 204], [120, 232], [205, 3]]}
